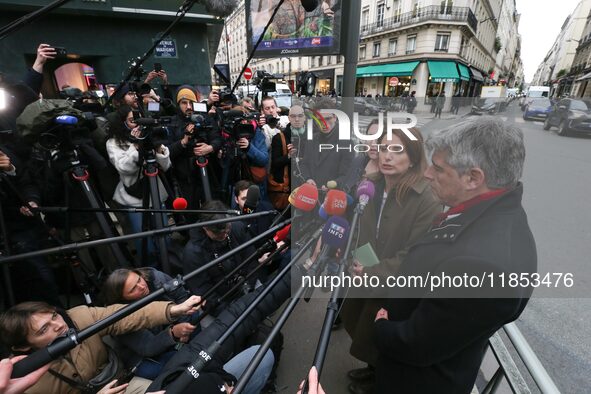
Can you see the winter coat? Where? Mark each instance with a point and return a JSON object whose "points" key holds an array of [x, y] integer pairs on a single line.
{"points": [[400, 227], [125, 158], [86, 360], [435, 340]]}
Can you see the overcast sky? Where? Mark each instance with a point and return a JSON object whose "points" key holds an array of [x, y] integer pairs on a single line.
{"points": [[539, 25]]}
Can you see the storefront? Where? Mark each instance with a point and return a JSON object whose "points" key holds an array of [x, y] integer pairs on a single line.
{"points": [[375, 79], [324, 81], [476, 82]]}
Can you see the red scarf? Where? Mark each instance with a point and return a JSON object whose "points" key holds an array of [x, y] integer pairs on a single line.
{"points": [[462, 207]]}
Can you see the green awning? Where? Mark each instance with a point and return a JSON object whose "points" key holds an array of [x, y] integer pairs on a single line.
{"points": [[464, 72], [443, 71], [388, 70]]}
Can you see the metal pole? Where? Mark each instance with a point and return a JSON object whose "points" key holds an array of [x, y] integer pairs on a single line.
{"points": [[350, 41], [531, 361]]}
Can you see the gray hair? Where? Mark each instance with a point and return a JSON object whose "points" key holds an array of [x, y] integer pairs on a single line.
{"points": [[486, 143]]}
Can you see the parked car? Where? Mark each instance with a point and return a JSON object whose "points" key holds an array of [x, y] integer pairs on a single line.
{"points": [[488, 105], [570, 115], [538, 109], [367, 106]]}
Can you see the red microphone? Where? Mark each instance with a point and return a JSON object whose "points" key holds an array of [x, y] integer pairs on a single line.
{"points": [[304, 197], [335, 203], [282, 234], [180, 203]]}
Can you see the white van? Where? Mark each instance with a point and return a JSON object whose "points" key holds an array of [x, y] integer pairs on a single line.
{"points": [[532, 93]]}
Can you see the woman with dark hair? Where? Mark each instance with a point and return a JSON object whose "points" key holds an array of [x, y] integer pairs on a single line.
{"points": [[123, 147], [401, 211], [147, 349]]}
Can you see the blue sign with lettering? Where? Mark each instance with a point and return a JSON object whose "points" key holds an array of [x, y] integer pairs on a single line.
{"points": [[166, 48]]}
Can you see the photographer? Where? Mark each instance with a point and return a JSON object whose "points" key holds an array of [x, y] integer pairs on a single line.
{"points": [[124, 148], [207, 244], [29, 326], [271, 123], [33, 279], [191, 139]]}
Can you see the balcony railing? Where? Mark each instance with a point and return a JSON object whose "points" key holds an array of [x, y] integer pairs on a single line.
{"points": [[428, 13]]}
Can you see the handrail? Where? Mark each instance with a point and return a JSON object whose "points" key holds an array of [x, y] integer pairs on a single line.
{"points": [[531, 361], [508, 368]]}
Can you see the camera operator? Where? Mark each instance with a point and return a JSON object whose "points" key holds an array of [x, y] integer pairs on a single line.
{"points": [[124, 148], [189, 140], [208, 243], [33, 278], [271, 123]]}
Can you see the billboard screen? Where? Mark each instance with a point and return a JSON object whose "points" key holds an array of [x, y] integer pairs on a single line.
{"points": [[294, 31]]}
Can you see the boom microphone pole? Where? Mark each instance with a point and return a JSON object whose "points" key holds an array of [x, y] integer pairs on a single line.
{"points": [[62, 345], [134, 210], [122, 238], [21, 22], [194, 369], [365, 192]]}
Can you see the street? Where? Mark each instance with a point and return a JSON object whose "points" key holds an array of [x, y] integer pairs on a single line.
{"points": [[556, 323]]}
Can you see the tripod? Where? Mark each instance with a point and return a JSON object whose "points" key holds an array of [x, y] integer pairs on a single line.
{"points": [[151, 195]]}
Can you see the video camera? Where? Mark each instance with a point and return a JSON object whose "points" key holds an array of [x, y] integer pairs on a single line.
{"points": [[69, 130], [154, 131], [200, 132], [233, 124]]}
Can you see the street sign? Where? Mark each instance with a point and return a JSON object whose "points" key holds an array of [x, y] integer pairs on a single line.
{"points": [[166, 48], [247, 74], [393, 81]]}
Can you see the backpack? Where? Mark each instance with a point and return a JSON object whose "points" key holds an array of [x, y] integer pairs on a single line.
{"points": [[39, 116]]}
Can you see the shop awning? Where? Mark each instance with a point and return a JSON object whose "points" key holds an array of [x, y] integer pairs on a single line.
{"points": [[476, 75], [443, 71], [464, 73], [387, 70], [586, 76]]}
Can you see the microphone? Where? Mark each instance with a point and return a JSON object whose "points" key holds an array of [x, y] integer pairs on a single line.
{"points": [[310, 5], [335, 203], [304, 198], [331, 184], [253, 196], [66, 120], [180, 203], [282, 234], [146, 122], [365, 192], [334, 236], [221, 8]]}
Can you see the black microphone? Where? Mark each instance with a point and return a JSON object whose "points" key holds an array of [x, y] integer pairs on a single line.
{"points": [[146, 122], [253, 196], [221, 8], [310, 5]]}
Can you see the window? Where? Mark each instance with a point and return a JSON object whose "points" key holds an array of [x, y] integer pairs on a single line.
{"points": [[380, 15], [397, 11], [442, 42], [320, 61], [361, 52], [416, 9], [411, 43], [446, 6], [392, 46], [377, 48], [365, 20], [463, 45]]}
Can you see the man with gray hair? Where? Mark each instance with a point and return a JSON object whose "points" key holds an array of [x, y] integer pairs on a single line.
{"points": [[432, 337]]}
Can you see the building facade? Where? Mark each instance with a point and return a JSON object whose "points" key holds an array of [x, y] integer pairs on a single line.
{"points": [[102, 36], [555, 69]]}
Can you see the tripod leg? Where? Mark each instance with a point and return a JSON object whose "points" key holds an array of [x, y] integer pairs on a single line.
{"points": [[102, 220], [5, 267], [159, 223]]}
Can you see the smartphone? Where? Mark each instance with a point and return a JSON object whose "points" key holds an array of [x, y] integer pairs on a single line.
{"points": [[157, 67], [60, 51]]}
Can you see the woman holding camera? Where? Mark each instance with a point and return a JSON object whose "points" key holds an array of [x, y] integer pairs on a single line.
{"points": [[123, 147]]}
